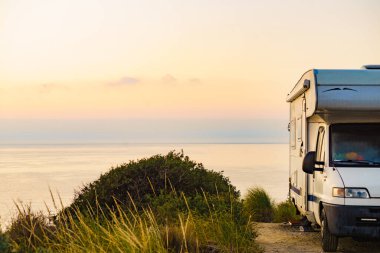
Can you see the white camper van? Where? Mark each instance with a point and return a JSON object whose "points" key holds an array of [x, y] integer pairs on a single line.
{"points": [[334, 175]]}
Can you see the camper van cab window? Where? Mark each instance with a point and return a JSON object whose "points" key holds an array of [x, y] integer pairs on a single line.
{"points": [[355, 145]]}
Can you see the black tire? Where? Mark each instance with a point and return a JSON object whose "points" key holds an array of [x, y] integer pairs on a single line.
{"points": [[329, 241]]}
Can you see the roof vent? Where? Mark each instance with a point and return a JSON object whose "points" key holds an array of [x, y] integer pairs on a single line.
{"points": [[371, 67]]}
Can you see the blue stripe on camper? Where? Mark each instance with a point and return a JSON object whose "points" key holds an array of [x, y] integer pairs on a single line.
{"points": [[310, 197]]}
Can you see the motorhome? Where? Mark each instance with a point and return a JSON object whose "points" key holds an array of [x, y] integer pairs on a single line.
{"points": [[334, 152]]}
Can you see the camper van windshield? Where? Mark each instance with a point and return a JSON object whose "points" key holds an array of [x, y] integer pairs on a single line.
{"points": [[355, 145]]}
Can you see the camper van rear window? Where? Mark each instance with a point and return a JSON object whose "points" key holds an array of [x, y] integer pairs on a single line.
{"points": [[355, 145]]}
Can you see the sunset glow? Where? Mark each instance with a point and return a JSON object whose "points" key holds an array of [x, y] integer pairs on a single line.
{"points": [[228, 60]]}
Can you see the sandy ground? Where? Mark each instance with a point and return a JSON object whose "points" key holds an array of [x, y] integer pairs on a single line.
{"points": [[276, 237]]}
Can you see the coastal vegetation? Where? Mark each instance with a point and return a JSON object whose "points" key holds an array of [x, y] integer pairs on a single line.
{"points": [[259, 205], [154, 182], [165, 203], [262, 208]]}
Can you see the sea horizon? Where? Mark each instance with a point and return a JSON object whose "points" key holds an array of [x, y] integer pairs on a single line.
{"points": [[131, 143]]}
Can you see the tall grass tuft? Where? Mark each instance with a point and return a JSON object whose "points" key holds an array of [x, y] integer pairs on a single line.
{"points": [[133, 230], [124, 232], [29, 231], [259, 205], [285, 211]]}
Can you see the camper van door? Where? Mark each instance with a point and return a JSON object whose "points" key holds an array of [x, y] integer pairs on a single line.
{"points": [[298, 148]]}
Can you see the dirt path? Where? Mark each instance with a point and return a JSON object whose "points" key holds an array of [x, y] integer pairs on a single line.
{"points": [[276, 237]]}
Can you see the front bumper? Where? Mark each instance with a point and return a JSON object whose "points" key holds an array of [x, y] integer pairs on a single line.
{"points": [[355, 221]]}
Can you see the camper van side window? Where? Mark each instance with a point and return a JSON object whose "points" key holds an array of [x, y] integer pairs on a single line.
{"points": [[320, 155], [293, 134], [299, 129]]}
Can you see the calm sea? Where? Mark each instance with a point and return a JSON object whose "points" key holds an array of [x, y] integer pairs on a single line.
{"points": [[28, 171]]}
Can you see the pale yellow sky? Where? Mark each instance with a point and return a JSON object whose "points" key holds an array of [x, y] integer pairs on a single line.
{"points": [[199, 59]]}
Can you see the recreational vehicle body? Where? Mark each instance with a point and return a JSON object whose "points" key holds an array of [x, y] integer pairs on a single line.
{"points": [[334, 153]]}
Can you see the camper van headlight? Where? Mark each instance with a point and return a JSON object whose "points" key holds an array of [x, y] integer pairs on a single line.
{"points": [[350, 193], [356, 193]]}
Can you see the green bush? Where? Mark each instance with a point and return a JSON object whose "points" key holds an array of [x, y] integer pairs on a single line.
{"points": [[29, 231], [200, 205], [159, 204], [285, 211], [222, 228], [148, 178], [258, 205], [4, 242]]}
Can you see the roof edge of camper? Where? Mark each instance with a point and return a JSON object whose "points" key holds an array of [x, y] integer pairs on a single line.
{"points": [[299, 88], [297, 92]]}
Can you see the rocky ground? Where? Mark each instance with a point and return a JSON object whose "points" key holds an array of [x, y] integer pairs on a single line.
{"points": [[277, 237]]}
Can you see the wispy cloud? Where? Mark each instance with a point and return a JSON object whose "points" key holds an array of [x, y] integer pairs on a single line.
{"points": [[50, 87], [195, 81], [169, 79], [124, 81]]}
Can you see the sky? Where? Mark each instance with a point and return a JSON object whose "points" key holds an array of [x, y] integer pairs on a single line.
{"points": [[169, 70]]}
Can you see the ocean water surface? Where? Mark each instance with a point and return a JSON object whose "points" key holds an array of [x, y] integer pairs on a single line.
{"points": [[28, 171]]}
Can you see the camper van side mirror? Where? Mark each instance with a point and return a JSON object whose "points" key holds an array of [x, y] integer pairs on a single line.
{"points": [[308, 164]]}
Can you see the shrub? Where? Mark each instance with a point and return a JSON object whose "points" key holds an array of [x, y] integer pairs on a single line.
{"points": [[106, 218], [259, 205], [285, 211], [148, 178], [200, 205], [4, 242], [29, 231]]}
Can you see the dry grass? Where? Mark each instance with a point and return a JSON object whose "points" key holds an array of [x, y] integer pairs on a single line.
{"points": [[129, 231]]}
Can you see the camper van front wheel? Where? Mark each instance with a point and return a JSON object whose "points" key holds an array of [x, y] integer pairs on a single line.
{"points": [[329, 241]]}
